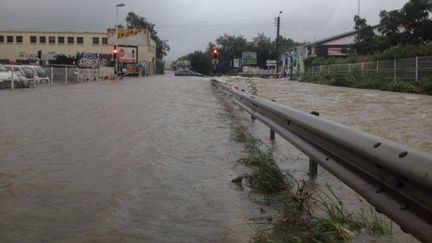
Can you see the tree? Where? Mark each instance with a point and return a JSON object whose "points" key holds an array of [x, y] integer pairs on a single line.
{"points": [[200, 62], [416, 21], [287, 43], [230, 47], [134, 21], [366, 41], [410, 25], [390, 27], [264, 48]]}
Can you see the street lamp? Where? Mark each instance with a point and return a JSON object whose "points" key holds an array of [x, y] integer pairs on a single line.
{"points": [[116, 34]]}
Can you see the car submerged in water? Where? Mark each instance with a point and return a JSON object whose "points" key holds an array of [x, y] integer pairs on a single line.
{"points": [[40, 74], [186, 72], [6, 78], [24, 75]]}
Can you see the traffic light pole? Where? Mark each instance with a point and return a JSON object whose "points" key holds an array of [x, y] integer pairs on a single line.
{"points": [[277, 44]]}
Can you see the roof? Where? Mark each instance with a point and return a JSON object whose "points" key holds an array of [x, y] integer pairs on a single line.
{"points": [[335, 37]]}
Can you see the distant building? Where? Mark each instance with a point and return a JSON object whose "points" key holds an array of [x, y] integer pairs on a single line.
{"points": [[136, 46], [334, 46]]}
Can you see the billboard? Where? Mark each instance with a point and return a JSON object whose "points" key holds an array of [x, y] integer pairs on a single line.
{"points": [[128, 54], [249, 58], [128, 37]]}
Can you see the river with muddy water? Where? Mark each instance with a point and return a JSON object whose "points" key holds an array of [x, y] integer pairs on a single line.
{"points": [[151, 159], [400, 117]]}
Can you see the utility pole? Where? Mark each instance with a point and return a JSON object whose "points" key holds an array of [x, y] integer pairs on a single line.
{"points": [[116, 36], [358, 8], [277, 44]]}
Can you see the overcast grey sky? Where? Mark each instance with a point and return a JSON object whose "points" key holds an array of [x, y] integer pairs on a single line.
{"points": [[189, 25]]}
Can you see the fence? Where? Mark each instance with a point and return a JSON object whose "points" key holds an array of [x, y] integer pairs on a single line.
{"points": [[407, 69], [67, 75], [394, 178]]}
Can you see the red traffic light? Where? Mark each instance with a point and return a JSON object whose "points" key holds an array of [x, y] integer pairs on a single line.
{"points": [[215, 53], [115, 54]]}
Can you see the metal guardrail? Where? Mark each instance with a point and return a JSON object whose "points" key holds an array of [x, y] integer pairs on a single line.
{"points": [[395, 179]]}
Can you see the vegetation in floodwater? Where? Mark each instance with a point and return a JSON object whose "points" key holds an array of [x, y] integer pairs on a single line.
{"points": [[266, 176], [297, 202]]}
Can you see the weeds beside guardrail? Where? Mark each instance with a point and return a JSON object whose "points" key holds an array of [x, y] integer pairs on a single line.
{"points": [[297, 201]]}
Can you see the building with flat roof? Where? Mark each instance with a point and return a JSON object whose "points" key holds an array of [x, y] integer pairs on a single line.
{"points": [[135, 46]]}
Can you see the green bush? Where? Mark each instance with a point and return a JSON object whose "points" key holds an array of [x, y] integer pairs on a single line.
{"points": [[397, 52], [371, 81]]}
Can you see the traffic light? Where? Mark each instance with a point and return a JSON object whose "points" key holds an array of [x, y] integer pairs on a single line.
{"points": [[215, 53], [39, 54], [115, 54]]}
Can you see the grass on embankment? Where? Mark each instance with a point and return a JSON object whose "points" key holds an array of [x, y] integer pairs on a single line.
{"points": [[371, 81], [297, 202]]}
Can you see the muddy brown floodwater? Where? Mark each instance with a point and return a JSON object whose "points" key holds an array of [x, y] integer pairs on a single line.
{"points": [[140, 160], [151, 160], [400, 117]]}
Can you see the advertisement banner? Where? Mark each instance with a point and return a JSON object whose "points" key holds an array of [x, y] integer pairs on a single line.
{"points": [[336, 51], [128, 37], [128, 54]]}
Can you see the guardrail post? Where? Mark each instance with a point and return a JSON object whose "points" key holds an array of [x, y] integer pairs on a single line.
{"points": [[394, 70], [52, 75], [78, 75], [66, 75], [416, 68], [272, 132], [313, 165], [34, 79], [12, 79]]}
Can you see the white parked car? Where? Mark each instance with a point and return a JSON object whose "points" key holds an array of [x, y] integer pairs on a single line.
{"points": [[24, 74], [40, 74], [4, 74]]}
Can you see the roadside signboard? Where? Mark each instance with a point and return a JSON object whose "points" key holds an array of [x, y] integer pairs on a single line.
{"points": [[249, 58], [236, 63], [128, 54]]}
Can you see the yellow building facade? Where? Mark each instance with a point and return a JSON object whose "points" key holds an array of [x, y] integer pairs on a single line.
{"points": [[24, 46]]}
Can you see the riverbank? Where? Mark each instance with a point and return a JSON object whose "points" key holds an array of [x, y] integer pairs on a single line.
{"points": [[371, 81], [400, 117]]}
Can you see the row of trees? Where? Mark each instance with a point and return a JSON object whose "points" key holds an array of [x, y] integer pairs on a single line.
{"points": [[232, 46], [410, 25]]}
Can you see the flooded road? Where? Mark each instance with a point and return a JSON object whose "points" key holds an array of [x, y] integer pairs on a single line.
{"points": [[139, 160], [151, 160]]}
